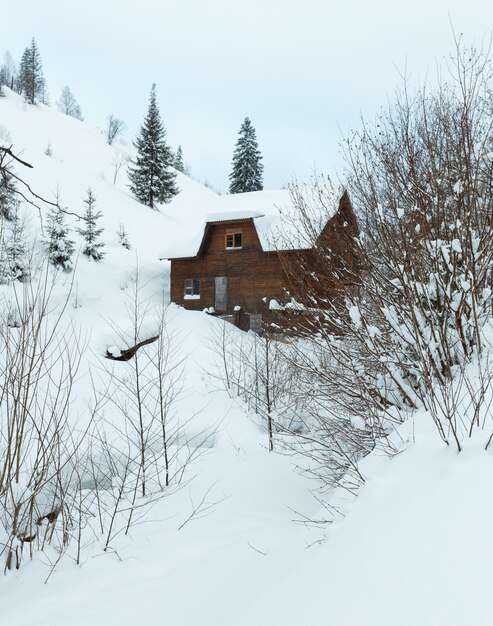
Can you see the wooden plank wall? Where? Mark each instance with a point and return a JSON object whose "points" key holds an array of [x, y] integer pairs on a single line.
{"points": [[252, 274], [255, 277]]}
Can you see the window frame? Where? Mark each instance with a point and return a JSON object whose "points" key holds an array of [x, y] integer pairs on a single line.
{"points": [[233, 232], [191, 288]]}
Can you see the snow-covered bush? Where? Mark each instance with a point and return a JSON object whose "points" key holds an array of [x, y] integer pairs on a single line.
{"points": [[420, 179]]}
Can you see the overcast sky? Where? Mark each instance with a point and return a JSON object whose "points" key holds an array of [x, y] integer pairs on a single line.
{"points": [[303, 71]]}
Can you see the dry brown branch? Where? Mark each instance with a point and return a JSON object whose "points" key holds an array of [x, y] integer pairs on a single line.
{"points": [[8, 151], [126, 355]]}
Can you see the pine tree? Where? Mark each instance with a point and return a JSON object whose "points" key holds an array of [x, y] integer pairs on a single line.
{"points": [[90, 233], [4, 265], [247, 169], [151, 177], [31, 80], [8, 195], [16, 248], [178, 162], [68, 104], [8, 71], [13, 250], [60, 247]]}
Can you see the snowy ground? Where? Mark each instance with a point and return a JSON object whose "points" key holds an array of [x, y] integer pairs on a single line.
{"points": [[413, 548]]}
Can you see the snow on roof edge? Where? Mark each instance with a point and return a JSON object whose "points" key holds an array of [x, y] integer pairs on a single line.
{"points": [[231, 216]]}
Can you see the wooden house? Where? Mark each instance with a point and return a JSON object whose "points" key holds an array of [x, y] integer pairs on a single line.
{"points": [[249, 263]]}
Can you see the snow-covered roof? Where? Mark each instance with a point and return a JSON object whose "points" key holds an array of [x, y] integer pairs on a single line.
{"points": [[274, 215]]}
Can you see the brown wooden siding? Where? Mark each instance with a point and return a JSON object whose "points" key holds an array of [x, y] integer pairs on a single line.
{"points": [[252, 276], [255, 277], [214, 237]]}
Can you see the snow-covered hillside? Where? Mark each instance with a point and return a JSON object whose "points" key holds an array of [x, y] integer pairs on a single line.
{"points": [[81, 158], [413, 547]]}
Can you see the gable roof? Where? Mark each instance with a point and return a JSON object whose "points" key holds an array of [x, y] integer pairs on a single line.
{"points": [[272, 212]]}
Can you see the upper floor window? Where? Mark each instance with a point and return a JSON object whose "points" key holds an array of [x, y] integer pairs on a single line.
{"points": [[192, 289], [234, 239]]}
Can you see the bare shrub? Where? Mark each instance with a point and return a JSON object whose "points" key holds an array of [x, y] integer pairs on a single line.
{"points": [[154, 439], [258, 369], [40, 358], [114, 128]]}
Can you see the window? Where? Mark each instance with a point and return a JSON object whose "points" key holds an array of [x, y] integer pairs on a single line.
{"points": [[234, 239], [192, 289]]}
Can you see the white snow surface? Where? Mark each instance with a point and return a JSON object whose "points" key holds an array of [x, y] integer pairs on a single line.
{"points": [[414, 547]]}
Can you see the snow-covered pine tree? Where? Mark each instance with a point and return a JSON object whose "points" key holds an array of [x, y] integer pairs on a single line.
{"points": [[247, 171], [68, 104], [178, 162], [8, 195], [14, 264], [151, 178], [90, 233], [16, 248], [3, 78], [8, 71], [31, 80], [4, 265], [60, 247]]}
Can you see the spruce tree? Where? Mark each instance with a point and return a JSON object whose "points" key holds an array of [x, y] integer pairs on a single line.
{"points": [[4, 263], [8, 195], [13, 250], [151, 178], [60, 247], [16, 248], [90, 233], [247, 171], [178, 162], [8, 72], [31, 80], [4, 266]]}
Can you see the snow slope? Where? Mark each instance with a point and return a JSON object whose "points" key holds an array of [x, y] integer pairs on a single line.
{"points": [[81, 159], [413, 548]]}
